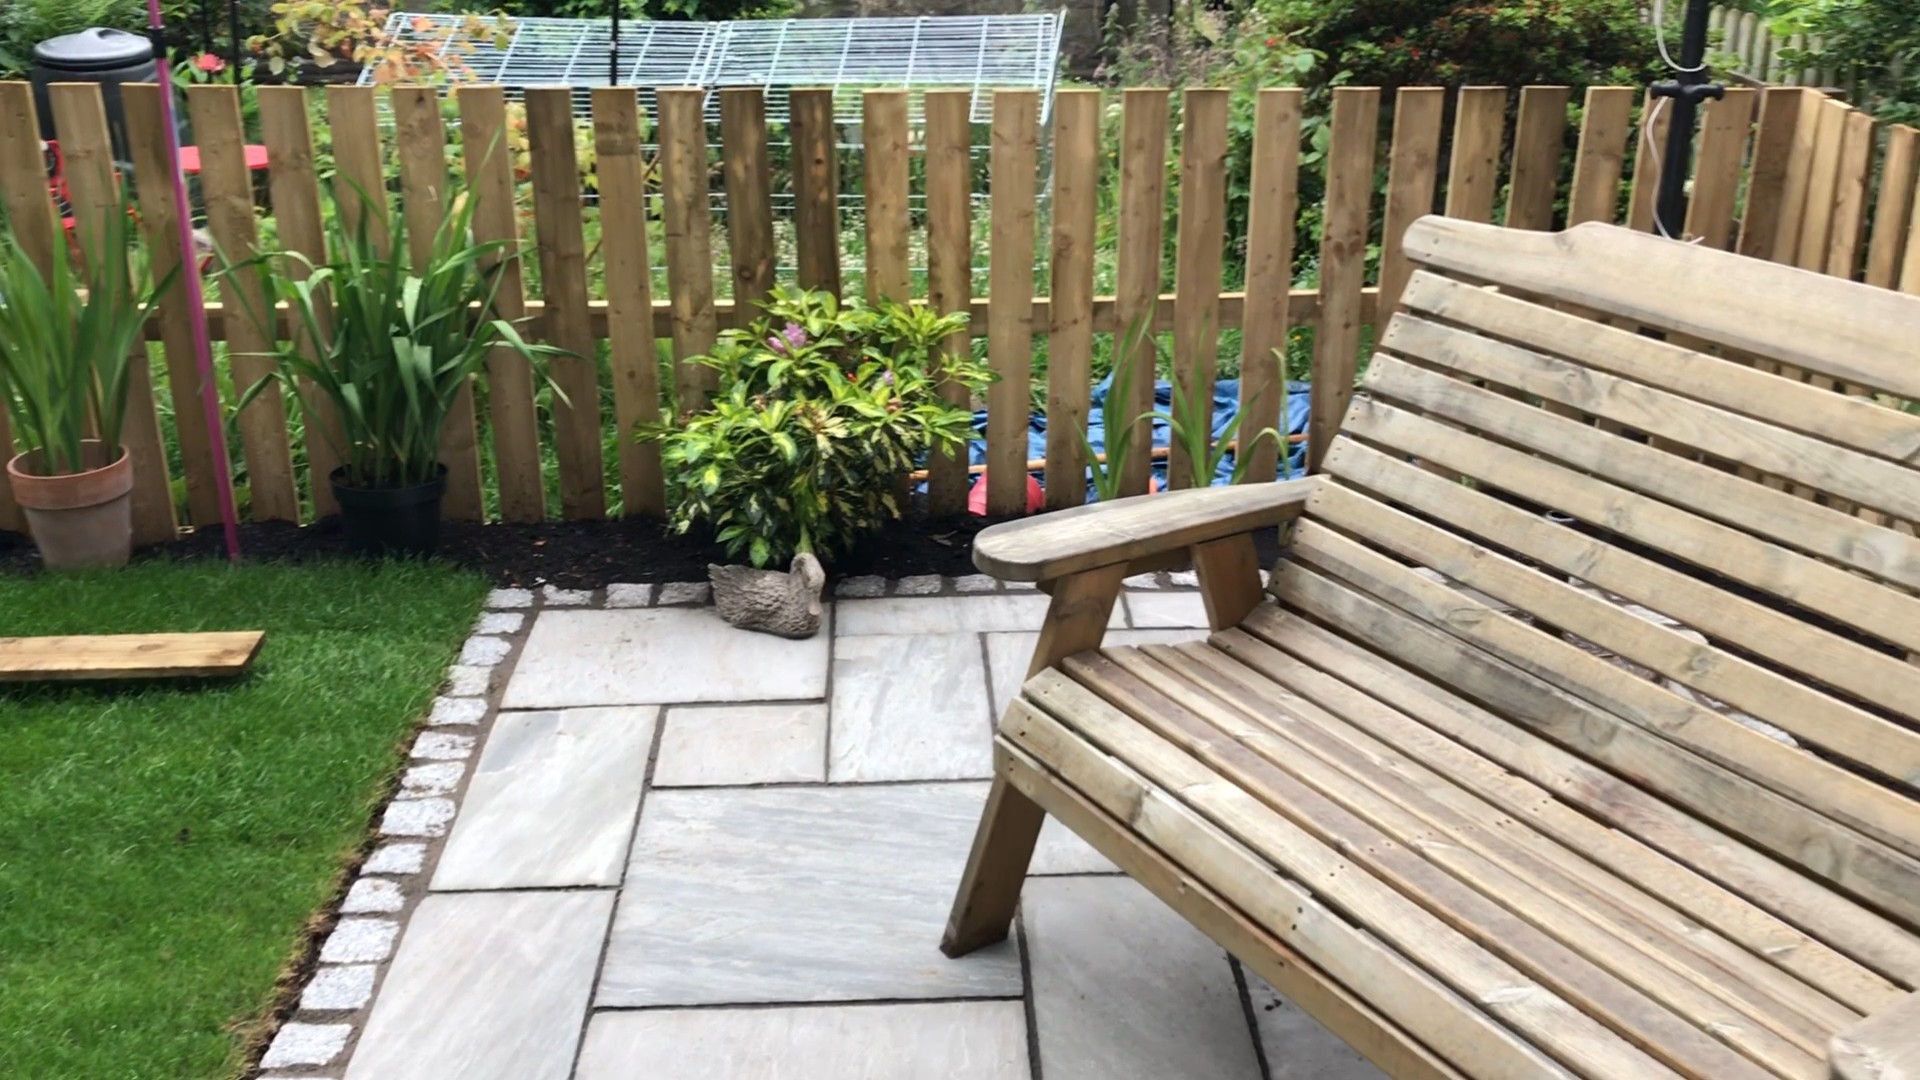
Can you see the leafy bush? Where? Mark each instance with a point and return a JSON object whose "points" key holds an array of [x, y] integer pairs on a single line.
{"points": [[822, 408], [1874, 44]]}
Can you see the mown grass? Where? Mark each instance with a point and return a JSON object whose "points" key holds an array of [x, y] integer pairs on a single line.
{"points": [[162, 846]]}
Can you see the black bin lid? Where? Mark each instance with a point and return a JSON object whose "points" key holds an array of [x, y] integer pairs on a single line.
{"points": [[98, 49]]}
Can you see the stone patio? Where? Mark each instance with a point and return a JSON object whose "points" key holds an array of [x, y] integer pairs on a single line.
{"points": [[638, 843]]}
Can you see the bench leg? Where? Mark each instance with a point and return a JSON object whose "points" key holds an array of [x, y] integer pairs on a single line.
{"points": [[990, 888]]}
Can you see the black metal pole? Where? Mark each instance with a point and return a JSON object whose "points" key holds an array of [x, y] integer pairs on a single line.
{"points": [[613, 54], [1682, 96], [233, 33]]}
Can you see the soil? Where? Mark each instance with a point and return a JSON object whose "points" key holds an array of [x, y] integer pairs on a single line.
{"points": [[568, 555]]}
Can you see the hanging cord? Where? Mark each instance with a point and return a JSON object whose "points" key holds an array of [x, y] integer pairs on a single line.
{"points": [[1660, 40], [1653, 111]]}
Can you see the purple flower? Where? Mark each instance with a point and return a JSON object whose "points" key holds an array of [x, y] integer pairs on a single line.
{"points": [[793, 337], [887, 377]]}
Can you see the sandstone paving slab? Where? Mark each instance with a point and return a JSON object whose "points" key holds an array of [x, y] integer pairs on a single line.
{"points": [[1061, 852], [1166, 608], [1296, 1046], [946, 614], [551, 802], [486, 986], [707, 745], [798, 894], [1125, 989], [910, 707], [1009, 654], [648, 656], [949, 1040]]}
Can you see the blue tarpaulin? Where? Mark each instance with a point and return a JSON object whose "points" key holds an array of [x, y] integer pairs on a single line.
{"points": [[1226, 405]]}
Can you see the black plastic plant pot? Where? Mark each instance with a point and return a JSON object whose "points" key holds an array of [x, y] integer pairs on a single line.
{"points": [[391, 521]]}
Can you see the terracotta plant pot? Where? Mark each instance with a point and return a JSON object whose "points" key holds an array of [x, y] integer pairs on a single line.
{"points": [[82, 520]]}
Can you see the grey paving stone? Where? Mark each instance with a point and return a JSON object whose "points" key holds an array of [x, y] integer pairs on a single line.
{"points": [[976, 583], [466, 680], [909, 708], [372, 895], [685, 592], [1124, 989], [487, 986], [626, 596], [1061, 852], [743, 744], [833, 893], [1184, 579], [500, 622], [442, 746], [862, 587], [1009, 654], [551, 802], [1166, 608], [1142, 581], [944, 614], [918, 585], [359, 941], [555, 597], [510, 598], [953, 1040], [345, 987], [457, 711], [436, 778], [1296, 1046], [417, 817], [405, 858], [659, 656], [305, 1044], [485, 651]]}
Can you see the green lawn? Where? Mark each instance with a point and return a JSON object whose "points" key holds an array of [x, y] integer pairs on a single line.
{"points": [[161, 847]]}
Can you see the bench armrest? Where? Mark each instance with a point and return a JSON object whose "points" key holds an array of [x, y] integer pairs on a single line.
{"points": [[1884, 1046], [1125, 530]]}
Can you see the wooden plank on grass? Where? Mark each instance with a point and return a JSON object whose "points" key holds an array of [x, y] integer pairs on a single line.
{"points": [[743, 137], [816, 189], [1649, 149], [884, 138], [622, 172], [227, 187], [1854, 173], [160, 225], [1473, 170], [1196, 302], [1343, 252], [689, 228], [1076, 186], [563, 278], [1016, 120], [294, 185], [127, 656], [488, 160], [1273, 194], [360, 180], [1716, 174], [93, 186], [1143, 185], [426, 198], [1773, 202], [1412, 164], [1890, 212], [949, 267], [1601, 157], [1538, 138]]}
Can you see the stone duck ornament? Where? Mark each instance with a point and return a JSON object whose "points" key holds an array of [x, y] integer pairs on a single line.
{"points": [[772, 602]]}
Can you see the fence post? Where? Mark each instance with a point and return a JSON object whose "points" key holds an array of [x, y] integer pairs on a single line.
{"points": [[1343, 262], [1016, 119], [1076, 187], [622, 173], [1272, 202]]}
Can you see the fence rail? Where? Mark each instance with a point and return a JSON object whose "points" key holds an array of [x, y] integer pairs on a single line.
{"points": [[1784, 174]]}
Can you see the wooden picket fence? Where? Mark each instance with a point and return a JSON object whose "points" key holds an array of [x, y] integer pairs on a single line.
{"points": [[1782, 174]]}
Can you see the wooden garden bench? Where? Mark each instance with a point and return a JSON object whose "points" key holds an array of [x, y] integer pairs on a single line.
{"points": [[1436, 782]]}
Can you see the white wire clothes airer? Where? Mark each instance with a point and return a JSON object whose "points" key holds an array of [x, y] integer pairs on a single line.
{"points": [[195, 295]]}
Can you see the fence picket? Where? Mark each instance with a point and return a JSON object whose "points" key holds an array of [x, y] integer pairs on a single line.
{"points": [[1850, 194], [1272, 202], [488, 161], [1412, 163], [1014, 160], [1143, 183], [227, 188], [1076, 186], [689, 221], [1890, 211], [743, 137], [563, 280], [23, 186], [949, 190], [1473, 172], [1823, 182], [1601, 157], [360, 179], [622, 174], [93, 184], [426, 199], [1196, 303], [884, 138], [816, 189], [1725, 125], [1538, 141], [1343, 257], [1773, 198]]}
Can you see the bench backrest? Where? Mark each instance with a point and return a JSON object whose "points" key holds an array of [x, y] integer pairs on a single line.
{"points": [[1749, 474]]}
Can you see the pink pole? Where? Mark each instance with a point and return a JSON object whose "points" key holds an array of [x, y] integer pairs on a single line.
{"points": [[196, 296]]}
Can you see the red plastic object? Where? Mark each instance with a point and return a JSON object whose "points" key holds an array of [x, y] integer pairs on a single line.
{"points": [[190, 158], [977, 498]]}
